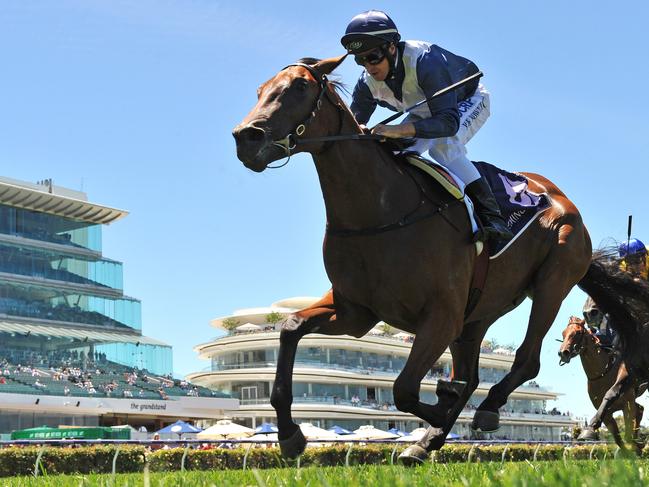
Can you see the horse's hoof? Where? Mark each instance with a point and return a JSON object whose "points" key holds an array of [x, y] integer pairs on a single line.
{"points": [[485, 421], [434, 439], [413, 455], [294, 446], [588, 434]]}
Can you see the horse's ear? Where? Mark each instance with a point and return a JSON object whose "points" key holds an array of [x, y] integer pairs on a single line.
{"points": [[326, 66]]}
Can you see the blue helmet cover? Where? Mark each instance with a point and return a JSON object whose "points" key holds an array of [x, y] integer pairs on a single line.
{"points": [[634, 246], [369, 30]]}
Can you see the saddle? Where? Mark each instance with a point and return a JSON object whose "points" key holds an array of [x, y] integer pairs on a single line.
{"points": [[519, 207]]}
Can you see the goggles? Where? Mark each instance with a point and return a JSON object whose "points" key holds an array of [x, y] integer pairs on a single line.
{"points": [[375, 56]]}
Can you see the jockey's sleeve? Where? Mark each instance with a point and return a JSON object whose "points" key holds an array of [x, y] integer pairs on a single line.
{"points": [[363, 103], [433, 75]]}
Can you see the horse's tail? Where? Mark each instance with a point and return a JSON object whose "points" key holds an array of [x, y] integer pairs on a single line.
{"points": [[617, 293]]}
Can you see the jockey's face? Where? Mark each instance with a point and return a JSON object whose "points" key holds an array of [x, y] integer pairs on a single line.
{"points": [[636, 264], [380, 70]]}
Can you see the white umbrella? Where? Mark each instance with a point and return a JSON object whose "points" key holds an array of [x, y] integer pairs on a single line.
{"points": [[264, 438], [311, 432], [225, 429], [407, 439], [402, 335], [369, 432], [417, 434], [248, 327]]}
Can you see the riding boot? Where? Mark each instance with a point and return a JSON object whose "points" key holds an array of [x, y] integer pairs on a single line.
{"points": [[493, 223]]}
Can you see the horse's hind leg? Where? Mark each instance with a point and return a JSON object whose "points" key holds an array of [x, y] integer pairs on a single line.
{"points": [[611, 426], [545, 307], [331, 315]]}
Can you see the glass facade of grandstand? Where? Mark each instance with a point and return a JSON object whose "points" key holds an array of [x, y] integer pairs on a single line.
{"points": [[339, 380], [52, 273], [71, 344]]}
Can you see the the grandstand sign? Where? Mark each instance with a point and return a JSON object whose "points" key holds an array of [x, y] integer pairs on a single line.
{"points": [[193, 407], [149, 406]]}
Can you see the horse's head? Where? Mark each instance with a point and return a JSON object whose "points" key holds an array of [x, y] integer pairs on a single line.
{"points": [[288, 105], [573, 339]]}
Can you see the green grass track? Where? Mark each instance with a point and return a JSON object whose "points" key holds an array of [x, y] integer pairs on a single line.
{"points": [[524, 474]]}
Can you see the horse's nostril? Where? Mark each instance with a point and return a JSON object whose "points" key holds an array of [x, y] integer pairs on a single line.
{"points": [[249, 133]]}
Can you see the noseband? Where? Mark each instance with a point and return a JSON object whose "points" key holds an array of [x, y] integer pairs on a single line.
{"points": [[577, 347], [289, 142]]}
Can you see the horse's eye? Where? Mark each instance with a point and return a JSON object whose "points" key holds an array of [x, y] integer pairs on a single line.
{"points": [[301, 84]]}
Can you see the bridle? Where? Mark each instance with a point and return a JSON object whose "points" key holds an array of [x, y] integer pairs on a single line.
{"points": [[577, 348], [294, 138]]}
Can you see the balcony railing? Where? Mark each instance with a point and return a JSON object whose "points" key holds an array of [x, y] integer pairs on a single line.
{"points": [[315, 364], [337, 401]]}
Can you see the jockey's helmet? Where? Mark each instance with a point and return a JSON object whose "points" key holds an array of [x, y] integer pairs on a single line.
{"points": [[633, 247], [369, 30]]}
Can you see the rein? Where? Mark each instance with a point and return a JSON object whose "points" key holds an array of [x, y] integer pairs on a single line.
{"points": [[613, 357], [291, 141]]}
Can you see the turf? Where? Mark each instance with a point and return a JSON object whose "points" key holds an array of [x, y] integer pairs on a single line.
{"points": [[523, 474]]}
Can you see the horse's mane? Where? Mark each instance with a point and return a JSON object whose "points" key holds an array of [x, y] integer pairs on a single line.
{"points": [[616, 292]]}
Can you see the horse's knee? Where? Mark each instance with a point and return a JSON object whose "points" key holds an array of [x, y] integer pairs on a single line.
{"points": [[406, 397], [613, 393], [290, 326], [530, 368], [280, 397]]}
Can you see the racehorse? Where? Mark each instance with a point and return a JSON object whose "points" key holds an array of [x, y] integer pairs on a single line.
{"points": [[625, 300], [601, 367], [398, 249]]}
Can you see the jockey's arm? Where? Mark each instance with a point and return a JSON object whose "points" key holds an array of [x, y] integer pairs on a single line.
{"points": [[444, 121], [363, 103]]}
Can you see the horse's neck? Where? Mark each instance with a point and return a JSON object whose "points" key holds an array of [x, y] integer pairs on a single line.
{"points": [[362, 185], [593, 358]]}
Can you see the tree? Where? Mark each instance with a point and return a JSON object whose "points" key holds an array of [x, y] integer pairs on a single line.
{"points": [[230, 323], [387, 329], [274, 317]]}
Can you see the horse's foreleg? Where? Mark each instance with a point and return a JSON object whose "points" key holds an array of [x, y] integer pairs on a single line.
{"points": [[430, 342], [622, 384], [637, 443], [630, 414], [452, 396], [327, 317]]}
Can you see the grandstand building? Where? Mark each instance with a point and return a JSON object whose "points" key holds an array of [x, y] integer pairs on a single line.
{"points": [[341, 380], [71, 344]]}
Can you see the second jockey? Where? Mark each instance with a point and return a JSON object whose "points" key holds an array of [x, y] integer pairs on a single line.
{"points": [[399, 74], [635, 259]]}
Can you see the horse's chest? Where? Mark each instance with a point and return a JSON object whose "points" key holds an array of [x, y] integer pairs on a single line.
{"points": [[392, 282]]}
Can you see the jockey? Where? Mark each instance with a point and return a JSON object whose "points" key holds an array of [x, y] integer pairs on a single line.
{"points": [[635, 258], [598, 321], [397, 75]]}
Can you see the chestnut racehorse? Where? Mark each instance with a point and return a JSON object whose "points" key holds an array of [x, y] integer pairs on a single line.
{"points": [[398, 249], [601, 365]]}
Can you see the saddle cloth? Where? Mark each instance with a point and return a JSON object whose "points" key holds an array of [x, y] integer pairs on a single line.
{"points": [[518, 205]]}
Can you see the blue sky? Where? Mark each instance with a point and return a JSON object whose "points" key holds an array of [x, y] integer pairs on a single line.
{"points": [[134, 102]]}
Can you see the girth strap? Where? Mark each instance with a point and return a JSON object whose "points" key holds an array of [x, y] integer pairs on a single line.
{"points": [[478, 281]]}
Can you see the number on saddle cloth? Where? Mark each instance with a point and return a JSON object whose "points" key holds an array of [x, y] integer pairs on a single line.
{"points": [[518, 205]]}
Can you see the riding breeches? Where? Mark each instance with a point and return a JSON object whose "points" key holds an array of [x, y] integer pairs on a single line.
{"points": [[450, 152]]}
